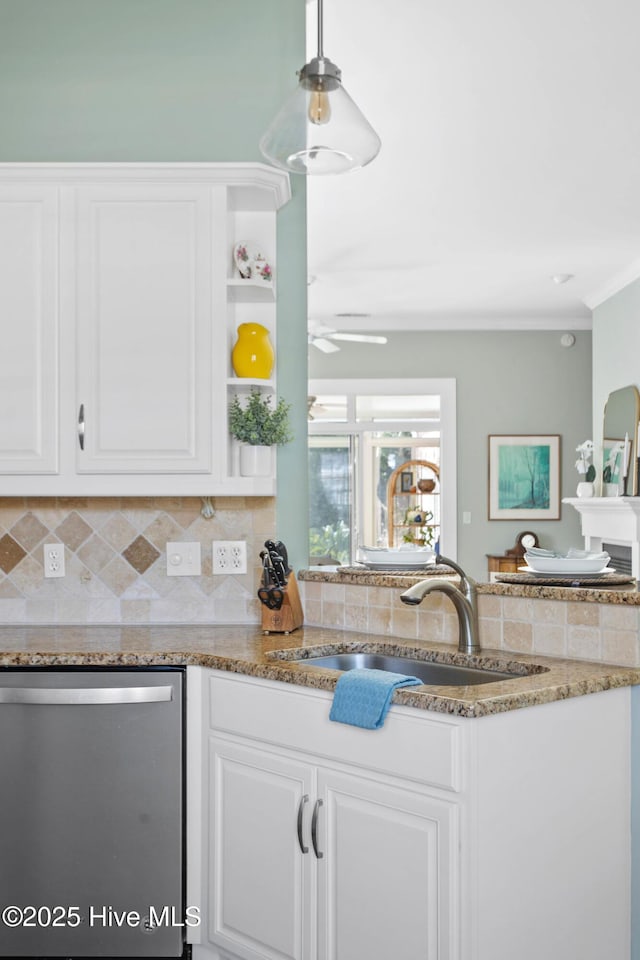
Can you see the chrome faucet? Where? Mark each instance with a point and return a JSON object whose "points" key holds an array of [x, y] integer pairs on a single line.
{"points": [[464, 599]]}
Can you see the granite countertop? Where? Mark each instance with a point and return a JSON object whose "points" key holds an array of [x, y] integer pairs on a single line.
{"points": [[245, 649], [627, 593]]}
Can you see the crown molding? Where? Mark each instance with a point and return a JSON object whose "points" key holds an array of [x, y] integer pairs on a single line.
{"points": [[240, 175], [612, 286]]}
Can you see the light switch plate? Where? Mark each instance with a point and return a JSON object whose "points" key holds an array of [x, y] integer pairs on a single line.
{"points": [[183, 559]]}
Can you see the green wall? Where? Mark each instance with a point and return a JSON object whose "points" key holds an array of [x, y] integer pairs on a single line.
{"points": [[507, 382], [169, 80]]}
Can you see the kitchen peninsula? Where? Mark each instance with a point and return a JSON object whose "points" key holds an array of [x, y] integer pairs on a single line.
{"points": [[451, 833], [599, 624]]}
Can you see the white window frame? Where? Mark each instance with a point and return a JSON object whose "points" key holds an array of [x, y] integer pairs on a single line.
{"points": [[446, 388]]}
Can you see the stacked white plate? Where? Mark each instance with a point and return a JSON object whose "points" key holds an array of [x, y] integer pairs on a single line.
{"points": [[587, 564], [400, 558]]}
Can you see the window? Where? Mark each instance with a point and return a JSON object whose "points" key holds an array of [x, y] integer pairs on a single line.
{"points": [[360, 431]]}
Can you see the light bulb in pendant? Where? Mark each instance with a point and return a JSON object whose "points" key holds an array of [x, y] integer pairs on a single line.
{"points": [[319, 111]]}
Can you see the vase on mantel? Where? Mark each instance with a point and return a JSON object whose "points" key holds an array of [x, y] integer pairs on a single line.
{"points": [[585, 489]]}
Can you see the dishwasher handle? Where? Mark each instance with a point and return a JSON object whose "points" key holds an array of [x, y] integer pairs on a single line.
{"points": [[84, 696]]}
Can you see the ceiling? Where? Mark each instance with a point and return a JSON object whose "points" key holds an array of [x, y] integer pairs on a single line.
{"points": [[510, 155]]}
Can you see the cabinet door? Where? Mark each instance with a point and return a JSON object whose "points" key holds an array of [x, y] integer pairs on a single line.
{"points": [[143, 320], [387, 873], [30, 329], [259, 878]]}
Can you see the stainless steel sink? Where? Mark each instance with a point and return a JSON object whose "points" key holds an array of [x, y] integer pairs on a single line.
{"points": [[430, 672]]}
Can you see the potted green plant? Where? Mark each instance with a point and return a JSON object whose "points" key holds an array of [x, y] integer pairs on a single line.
{"points": [[258, 425]]}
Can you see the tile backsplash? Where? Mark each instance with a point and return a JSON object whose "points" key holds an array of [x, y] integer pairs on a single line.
{"points": [[115, 559]]}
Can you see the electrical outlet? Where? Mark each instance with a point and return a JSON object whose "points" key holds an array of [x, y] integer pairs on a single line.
{"points": [[183, 560], [229, 556], [54, 560]]}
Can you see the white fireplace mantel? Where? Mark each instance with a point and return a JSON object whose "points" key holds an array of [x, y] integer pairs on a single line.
{"points": [[613, 520]]}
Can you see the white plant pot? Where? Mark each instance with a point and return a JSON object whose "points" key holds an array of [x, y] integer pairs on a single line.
{"points": [[585, 489], [255, 461]]}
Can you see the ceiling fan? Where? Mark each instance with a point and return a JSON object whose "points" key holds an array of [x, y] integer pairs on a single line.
{"points": [[322, 337]]}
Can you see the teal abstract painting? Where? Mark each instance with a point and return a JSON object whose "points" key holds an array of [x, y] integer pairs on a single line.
{"points": [[524, 477]]}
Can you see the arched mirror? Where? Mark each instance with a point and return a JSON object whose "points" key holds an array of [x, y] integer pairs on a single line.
{"points": [[620, 442]]}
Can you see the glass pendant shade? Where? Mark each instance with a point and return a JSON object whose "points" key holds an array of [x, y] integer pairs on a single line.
{"points": [[320, 130]]}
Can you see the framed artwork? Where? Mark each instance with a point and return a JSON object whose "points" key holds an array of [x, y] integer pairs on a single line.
{"points": [[612, 466], [406, 481], [524, 477]]}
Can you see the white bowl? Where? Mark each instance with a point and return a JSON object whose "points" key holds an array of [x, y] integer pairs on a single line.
{"points": [[409, 555], [566, 564]]}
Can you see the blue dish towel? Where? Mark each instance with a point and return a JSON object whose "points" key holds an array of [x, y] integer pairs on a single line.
{"points": [[363, 696]]}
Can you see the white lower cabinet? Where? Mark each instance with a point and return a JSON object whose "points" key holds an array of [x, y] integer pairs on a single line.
{"points": [[260, 883], [306, 856], [434, 838], [307, 861], [385, 870]]}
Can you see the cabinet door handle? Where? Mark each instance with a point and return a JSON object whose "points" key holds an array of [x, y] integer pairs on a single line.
{"points": [[314, 829], [81, 426], [303, 800]]}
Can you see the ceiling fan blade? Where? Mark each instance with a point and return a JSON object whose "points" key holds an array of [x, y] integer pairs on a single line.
{"points": [[325, 345], [358, 337], [317, 329]]}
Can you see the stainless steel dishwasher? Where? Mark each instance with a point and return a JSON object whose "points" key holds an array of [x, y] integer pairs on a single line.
{"points": [[91, 813]]}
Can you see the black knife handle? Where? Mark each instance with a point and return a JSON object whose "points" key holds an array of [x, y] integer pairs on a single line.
{"points": [[277, 562]]}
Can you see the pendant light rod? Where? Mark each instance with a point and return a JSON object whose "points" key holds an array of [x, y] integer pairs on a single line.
{"points": [[320, 31]]}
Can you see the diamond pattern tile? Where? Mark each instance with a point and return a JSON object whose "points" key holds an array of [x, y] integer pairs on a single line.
{"points": [[29, 531], [73, 531], [141, 554], [11, 553], [112, 548]]}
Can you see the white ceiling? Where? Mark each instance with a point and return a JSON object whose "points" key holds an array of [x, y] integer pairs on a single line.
{"points": [[510, 154]]}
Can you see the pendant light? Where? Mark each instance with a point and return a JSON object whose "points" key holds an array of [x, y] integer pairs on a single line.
{"points": [[320, 129]]}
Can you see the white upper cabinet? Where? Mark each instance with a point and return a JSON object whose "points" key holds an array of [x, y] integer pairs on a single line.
{"points": [[29, 321], [120, 305], [143, 256]]}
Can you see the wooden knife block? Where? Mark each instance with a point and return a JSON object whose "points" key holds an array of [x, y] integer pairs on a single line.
{"points": [[289, 617]]}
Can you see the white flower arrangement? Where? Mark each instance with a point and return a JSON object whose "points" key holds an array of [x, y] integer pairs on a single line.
{"points": [[583, 464]]}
